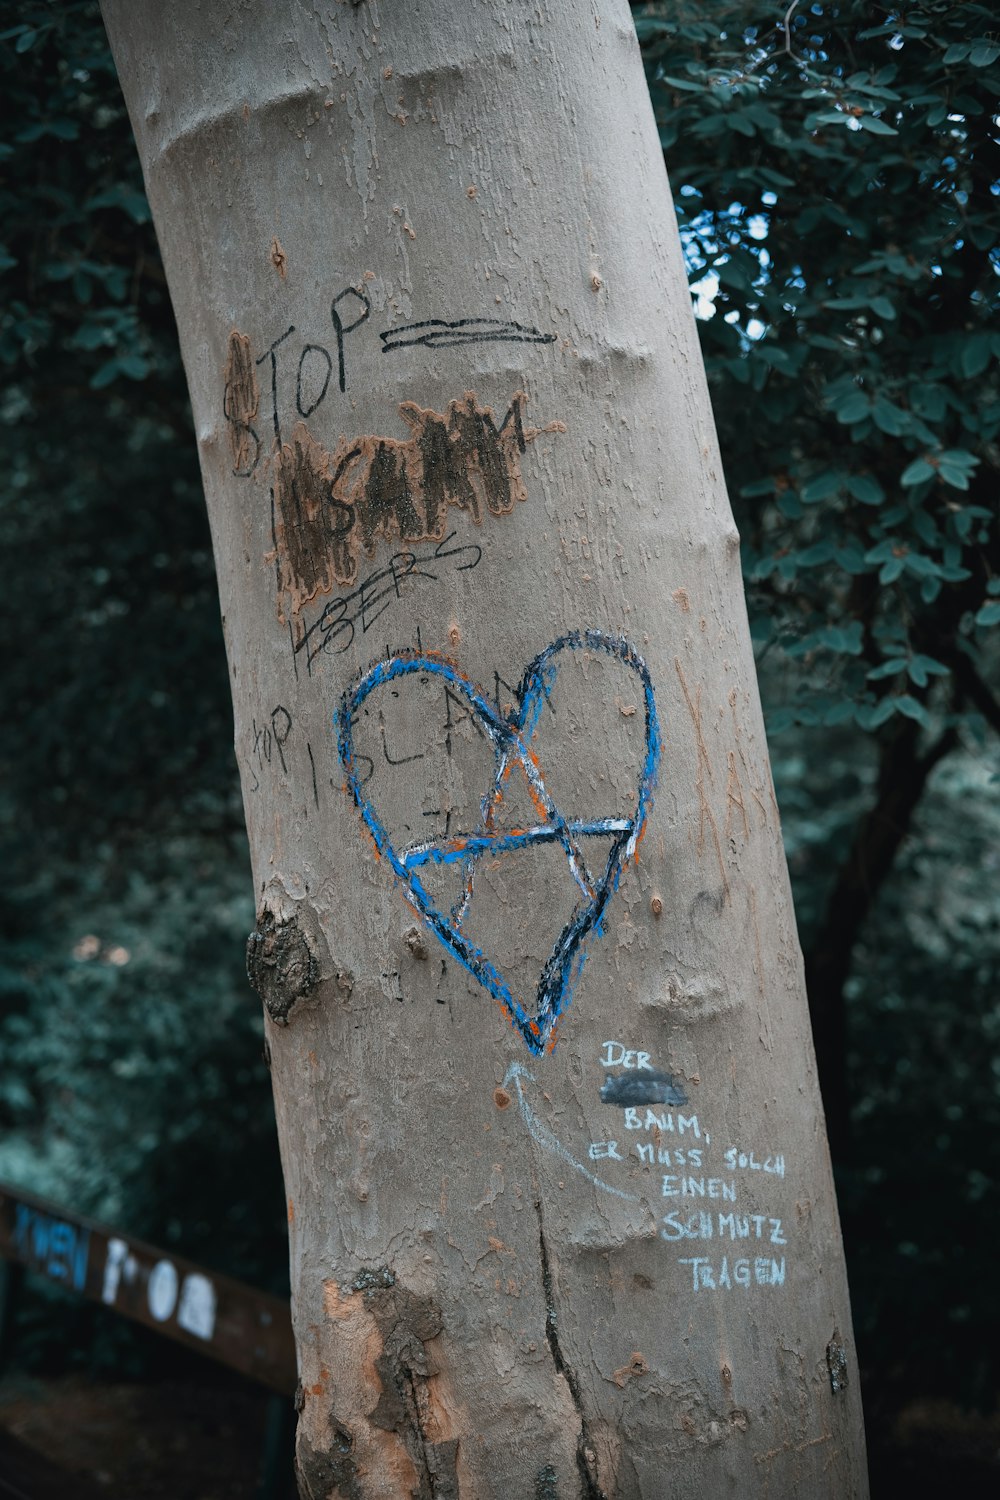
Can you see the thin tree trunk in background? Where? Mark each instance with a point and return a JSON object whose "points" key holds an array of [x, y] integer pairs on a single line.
{"points": [[501, 749], [902, 779]]}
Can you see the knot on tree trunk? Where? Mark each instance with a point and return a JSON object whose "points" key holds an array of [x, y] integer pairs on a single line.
{"points": [[282, 962]]}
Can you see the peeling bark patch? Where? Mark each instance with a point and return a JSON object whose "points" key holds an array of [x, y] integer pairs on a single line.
{"points": [[241, 403], [637, 1365], [414, 940], [278, 258], [442, 1469], [836, 1363], [332, 507], [281, 964], [407, 1323], [333, 1470]]}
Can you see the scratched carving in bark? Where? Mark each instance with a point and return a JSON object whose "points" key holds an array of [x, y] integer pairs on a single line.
{"points": [[241, 402], [332, 507]]}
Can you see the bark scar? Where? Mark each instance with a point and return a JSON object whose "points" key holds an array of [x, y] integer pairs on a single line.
{"points": [[333, 507], [407, 1324], [240, 404]]}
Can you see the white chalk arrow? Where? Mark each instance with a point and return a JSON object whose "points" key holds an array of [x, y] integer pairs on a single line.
{"points": [[544, 1136]]}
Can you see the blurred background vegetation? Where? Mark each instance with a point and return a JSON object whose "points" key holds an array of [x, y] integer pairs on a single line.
{"points": [[836, 169]]}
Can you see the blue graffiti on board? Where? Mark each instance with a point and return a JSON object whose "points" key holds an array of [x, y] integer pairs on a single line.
{"points": [[510, 738], [59, 1249]]}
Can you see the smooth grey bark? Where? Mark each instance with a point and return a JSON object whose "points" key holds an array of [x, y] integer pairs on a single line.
{"points": [[612, 1266]]}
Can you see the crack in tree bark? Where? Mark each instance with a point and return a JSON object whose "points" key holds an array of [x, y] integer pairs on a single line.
{"points": [[427, 1477], [437, 1481], [586, 1458]]}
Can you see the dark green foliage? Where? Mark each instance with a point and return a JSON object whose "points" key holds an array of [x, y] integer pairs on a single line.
{"points": [[918, 1190], [103, 528], [841, 185], [132, 1083], [920, 1199]]}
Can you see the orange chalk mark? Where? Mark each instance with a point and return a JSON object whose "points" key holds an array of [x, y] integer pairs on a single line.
{"points": [[539, 805]]}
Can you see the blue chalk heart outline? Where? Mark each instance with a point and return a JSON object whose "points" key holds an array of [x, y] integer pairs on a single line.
{"points": [[511, 741]]}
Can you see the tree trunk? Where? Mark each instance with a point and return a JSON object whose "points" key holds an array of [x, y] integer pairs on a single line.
{"points": [[501, 749], [903, 774]]}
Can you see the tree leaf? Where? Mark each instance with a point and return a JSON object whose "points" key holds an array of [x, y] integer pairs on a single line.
{"points": [[917, 472], [853, 408], [872, 715], [887, 669], [976, 355], [921, 667], [866, 488], [904, 704], [821, 487], [888, 417]]}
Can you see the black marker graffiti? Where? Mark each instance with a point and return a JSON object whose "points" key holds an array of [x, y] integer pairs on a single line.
{"points": [[340, 327], [270, 354], [337, 625], [271, 737], [349, 309], [307, 411], [437, 333]]}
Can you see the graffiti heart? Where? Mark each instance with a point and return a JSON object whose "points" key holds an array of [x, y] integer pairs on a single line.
{"points": [[510, 739]]}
